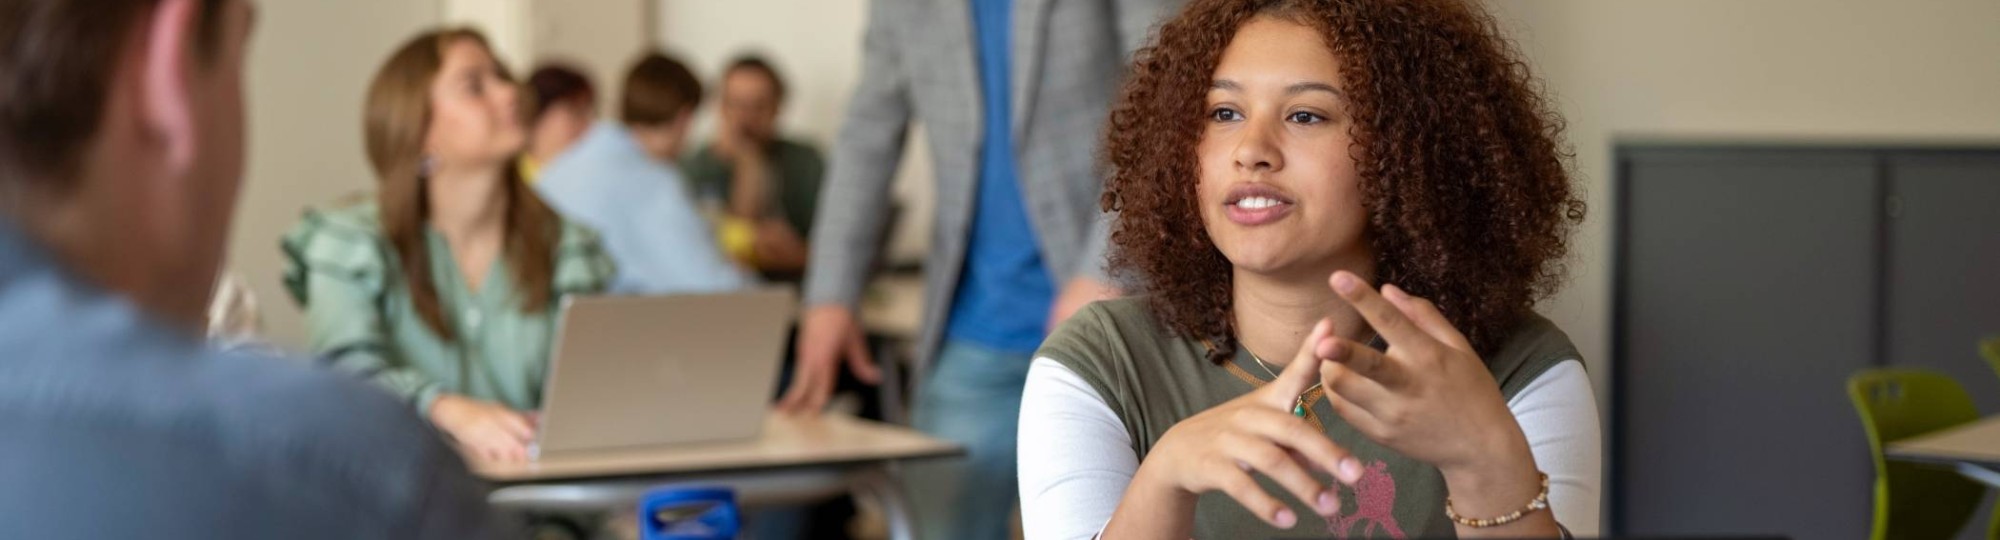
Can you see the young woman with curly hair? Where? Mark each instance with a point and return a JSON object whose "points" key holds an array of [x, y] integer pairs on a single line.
{"points": [[1271, 159]]}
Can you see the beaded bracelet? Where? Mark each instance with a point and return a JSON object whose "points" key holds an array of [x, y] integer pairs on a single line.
{"points": [[1541, 502]]}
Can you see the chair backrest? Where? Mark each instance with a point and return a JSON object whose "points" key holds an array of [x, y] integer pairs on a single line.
{"points": [[1914, 500], [1991, 350]]}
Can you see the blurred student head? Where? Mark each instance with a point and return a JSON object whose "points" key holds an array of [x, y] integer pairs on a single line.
{"points": [[751, 96], [121, 139], [659, 100], [563, 105]]}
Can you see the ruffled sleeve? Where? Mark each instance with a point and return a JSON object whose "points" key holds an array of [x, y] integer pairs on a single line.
{"points": [[343, 244], [338, 268], [582, 265]]}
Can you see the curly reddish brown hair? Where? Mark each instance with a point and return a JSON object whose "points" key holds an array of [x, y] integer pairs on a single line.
{"points": [[1461, 167]]}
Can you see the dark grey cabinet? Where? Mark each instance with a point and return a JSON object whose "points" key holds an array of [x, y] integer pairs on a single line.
{"points": [[1749, 283], [1944, 266]]}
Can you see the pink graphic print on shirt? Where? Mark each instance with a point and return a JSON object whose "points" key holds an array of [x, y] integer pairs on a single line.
{"points": [[1375, 506]]}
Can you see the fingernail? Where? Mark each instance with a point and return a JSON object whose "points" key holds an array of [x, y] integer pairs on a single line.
{"points": [[1350, 470], [1286, 520], [1329, 504], [1343, 282], [1393, 292]]}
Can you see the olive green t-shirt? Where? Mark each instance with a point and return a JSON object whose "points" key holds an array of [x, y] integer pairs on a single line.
{"points": [[1153, 379]]}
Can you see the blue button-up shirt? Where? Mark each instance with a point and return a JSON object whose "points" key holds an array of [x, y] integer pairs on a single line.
{"points": [[113, 425], [641, 210]]}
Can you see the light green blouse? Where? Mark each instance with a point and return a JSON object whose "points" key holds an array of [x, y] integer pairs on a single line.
{"points": [[361, 319]]}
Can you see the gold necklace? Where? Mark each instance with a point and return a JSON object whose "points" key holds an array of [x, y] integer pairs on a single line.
{"points": [[1298, 405]]}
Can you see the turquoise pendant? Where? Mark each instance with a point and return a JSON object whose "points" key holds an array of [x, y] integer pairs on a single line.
{"points": [[1299, 409]]}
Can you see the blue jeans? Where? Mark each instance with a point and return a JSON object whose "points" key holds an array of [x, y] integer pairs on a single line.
{"points": [[973, 398]]}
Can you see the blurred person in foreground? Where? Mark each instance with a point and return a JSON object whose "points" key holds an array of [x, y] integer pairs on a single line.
{"points": [[121, 152]]}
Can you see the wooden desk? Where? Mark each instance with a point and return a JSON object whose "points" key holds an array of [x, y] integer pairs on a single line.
{"points": [[794, 460], [1974, 449]]}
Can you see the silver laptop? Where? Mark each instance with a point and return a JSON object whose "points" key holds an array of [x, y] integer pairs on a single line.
{"points": [[630, 371]]}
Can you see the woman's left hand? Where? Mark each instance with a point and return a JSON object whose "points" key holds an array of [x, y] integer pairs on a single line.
{"points": [[1428, 396]]}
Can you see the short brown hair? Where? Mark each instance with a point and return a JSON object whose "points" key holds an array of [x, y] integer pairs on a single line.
{"points": [[753, 62], [56, 59], [658, 89], [555, 83], [1462, 167]]}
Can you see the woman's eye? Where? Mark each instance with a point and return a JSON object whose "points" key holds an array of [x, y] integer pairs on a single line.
{"points": [[1224, 114], [1303, 117]]}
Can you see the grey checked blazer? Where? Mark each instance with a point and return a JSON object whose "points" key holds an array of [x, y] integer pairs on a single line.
{"points": [[919, 64]]}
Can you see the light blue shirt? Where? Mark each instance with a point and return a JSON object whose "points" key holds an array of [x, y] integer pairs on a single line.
{"points": [[641, 210], [117, 426]]}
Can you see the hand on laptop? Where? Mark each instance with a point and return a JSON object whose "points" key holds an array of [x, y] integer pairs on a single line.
{"points": [[486, 430], [827, 335]]}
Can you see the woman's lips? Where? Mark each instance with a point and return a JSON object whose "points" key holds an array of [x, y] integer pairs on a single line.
{"points": [[1257, 204]]}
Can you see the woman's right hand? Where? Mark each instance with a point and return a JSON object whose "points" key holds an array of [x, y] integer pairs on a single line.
{"points": [[1217, 449], [488, 430]]}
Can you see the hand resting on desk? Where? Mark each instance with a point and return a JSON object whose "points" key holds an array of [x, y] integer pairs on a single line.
{"points": [[487, 430]]}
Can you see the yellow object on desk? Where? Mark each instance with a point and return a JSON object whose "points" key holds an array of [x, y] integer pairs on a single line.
{"points": [[528, 169], [738, 238]]}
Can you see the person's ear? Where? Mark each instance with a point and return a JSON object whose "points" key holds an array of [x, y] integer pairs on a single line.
{"points": [[167, 104]]}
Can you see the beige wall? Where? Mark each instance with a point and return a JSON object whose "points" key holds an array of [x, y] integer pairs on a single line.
{"points": [[1768, 70], [601, 36], [309, 64], [504, 22]]}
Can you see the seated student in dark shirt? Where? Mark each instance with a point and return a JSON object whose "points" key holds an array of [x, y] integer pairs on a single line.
{"points": [[766, 184]]}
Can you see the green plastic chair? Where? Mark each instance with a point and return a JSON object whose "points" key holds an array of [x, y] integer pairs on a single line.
{"points": [[1991, 350], [1912, 500]]}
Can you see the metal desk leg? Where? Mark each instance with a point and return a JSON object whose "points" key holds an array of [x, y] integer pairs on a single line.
{"points": [[892, 356], [880, 483], [1980, 473]]}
